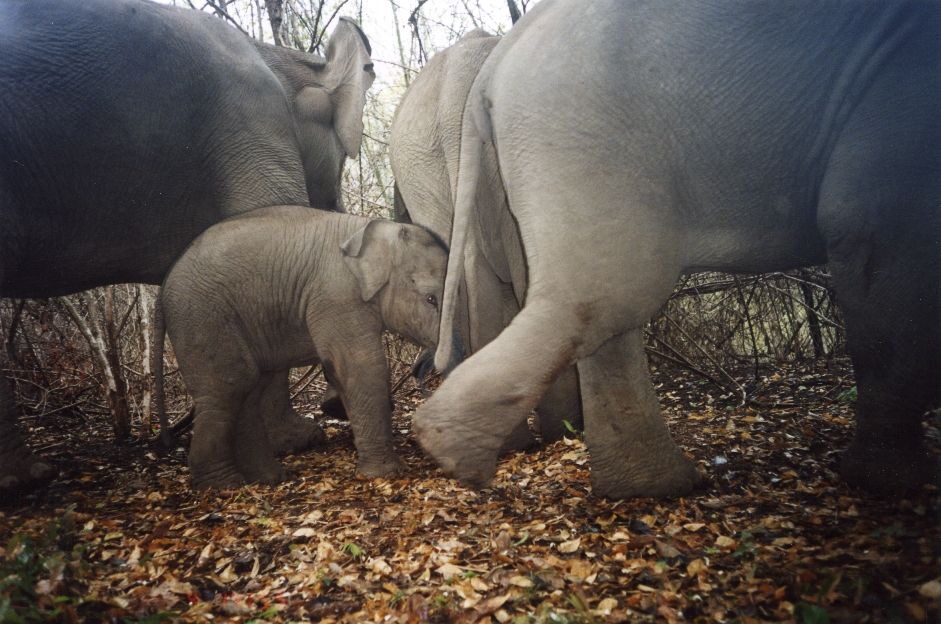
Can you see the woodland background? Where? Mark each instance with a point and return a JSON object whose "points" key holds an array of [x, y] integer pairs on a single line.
{"points": [[751, 371]]}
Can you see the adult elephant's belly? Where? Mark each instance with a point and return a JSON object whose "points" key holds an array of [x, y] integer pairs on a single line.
{"points": [[759, 241], [48, 257]]}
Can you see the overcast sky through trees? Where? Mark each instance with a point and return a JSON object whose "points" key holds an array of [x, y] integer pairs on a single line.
{"points": [[441, 23]]}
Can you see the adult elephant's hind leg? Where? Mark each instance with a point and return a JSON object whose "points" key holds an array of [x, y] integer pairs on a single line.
{"points": [[288, 431], [18, 465], [632, 453]]}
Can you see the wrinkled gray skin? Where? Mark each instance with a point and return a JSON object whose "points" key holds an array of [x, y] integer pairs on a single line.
{"points": [[284, 287], [424, 151], [127, 128], [288, 431], [638, 141]]}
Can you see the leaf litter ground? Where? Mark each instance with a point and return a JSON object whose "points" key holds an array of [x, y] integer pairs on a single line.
{"points": [[772, 535]]}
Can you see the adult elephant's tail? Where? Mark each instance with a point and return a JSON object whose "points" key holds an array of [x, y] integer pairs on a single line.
{"points": [[474, 130]]}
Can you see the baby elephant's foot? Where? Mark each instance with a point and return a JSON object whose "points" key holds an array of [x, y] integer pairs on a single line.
{"points": [[468, 456], [386, 465]]}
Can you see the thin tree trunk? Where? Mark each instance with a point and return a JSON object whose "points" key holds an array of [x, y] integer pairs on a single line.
{"points": [[748, 324], [106, 358], [514, 10], [416, 30], [398, 41], [470, 14], [146, 312], [276, 17], [362, 189], [18, 305], [120, 412], [261, 20], [813, 322]]}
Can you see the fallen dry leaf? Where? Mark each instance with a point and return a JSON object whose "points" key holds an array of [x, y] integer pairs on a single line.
{"points": [[772, 536]]}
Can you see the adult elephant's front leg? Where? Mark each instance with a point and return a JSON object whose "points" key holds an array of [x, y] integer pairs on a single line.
{"points": [[632, 453], [467, 420], [880, 215], [288, 431], [254, 453]]}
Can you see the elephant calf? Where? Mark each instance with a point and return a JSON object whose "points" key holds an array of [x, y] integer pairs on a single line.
{"points": [[290, 286]]}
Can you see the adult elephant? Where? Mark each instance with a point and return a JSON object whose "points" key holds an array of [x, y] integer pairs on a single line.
{"points": [[638, 141], [128, 127], [424, 152]]}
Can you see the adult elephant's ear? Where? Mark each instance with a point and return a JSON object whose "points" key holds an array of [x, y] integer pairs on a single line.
{"points": [[349, 75], [367, 253]]}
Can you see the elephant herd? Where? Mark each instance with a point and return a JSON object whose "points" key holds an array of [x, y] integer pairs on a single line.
{"points": [[551, 186]]}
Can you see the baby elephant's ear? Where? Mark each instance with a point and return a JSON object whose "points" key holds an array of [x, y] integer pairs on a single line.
{"points": [[368, 254]]}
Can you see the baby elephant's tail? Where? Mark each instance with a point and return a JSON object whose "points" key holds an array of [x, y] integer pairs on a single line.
{"points": [[156, 365]]}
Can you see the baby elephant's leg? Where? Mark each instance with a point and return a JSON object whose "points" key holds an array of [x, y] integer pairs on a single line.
{"points": [[358, 365], [254, 454], [211, 455], [220, 383]]}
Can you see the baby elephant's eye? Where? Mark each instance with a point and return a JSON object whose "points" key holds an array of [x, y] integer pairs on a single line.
{"points": [[432, 300]]}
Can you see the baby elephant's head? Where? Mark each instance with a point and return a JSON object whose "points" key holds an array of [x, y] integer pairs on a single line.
{"points": [[403, 267]]}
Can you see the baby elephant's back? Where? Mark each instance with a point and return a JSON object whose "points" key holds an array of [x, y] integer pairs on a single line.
{"points": [[253, 240], [239, 256]]}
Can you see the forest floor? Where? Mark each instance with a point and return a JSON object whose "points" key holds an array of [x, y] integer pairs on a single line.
{"points": [[772, 535]]}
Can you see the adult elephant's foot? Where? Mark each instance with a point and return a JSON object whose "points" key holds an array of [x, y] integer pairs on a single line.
{"points": [[332, 404], [293, 433], [221, 477], [269, 475], [381, 465], [560, 410], [258, 465], [520, 439], [890, 472], [669, 474], [468, 456], [22, 469]]}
